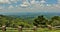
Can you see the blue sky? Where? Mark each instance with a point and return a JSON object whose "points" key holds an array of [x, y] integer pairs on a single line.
{"points": [[15, 6], [52, 1]]}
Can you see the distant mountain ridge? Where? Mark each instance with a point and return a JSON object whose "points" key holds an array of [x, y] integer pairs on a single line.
{"points": [[31, 15]]}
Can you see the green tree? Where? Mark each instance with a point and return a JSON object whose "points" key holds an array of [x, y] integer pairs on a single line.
{"points": [[41, 20], [55, 21]]}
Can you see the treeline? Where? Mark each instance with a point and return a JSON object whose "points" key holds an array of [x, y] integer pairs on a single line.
{"points": [[40, 21], [11, 21]]}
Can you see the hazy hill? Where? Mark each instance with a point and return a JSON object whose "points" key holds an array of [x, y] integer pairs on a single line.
{"points": [[30, 15]]}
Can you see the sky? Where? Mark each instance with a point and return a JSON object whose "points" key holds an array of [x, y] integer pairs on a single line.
{"points": [[29, 6]]}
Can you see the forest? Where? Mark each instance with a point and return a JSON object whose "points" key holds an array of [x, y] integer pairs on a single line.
{"points": [[39, 21]]}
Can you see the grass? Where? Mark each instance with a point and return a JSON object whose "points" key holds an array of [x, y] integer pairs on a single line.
{"points": [[38, 30]]}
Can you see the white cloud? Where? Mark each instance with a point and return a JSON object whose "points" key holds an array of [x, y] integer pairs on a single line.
{"points": [[15, 1], [4, 1], [10, 7], [25, 4], [34, 8], [42, 1], [7, 1], [48, 4], [33, 2]]}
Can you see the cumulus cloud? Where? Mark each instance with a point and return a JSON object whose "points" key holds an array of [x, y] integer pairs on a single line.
{"points": [[15, 1], [10, 7], [4, 1], [8, 1], [48, 5], [25, 4], [33, 2], [35, 8], [43, 1]]}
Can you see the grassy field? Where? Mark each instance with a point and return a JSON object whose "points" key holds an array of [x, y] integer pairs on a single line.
{"points": [[38, 30]]}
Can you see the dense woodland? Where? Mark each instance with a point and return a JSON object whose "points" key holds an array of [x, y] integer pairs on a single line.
{"points": [[39, 21]]}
